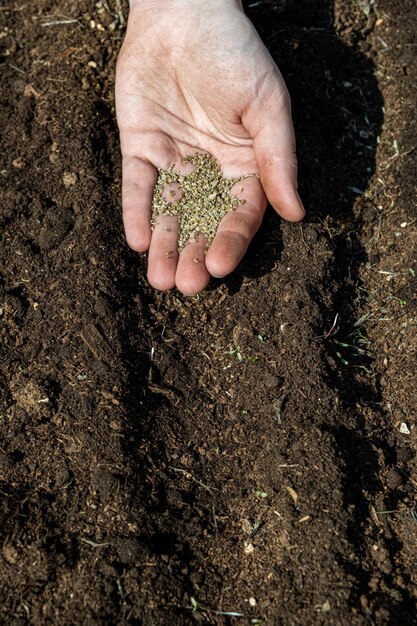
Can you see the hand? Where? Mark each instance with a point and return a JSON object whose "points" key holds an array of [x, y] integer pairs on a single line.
{"points": [[195, 75]]}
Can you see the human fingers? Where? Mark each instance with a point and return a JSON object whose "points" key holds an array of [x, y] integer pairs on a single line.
{"points": [[138, 181], [237, 228], [163, 253], [270, 124], [192, 275]]}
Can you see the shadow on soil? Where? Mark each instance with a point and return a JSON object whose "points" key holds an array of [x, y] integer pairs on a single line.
{"points": [[337, 110]]}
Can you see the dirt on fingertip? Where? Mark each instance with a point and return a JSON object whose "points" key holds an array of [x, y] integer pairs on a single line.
{"points": [[245, 456]]}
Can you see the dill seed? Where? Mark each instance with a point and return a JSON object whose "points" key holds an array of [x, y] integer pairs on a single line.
{"points": [[204, 201]]}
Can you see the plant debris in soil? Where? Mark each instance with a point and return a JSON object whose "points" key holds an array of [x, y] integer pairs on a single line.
{"points": [[239, 457]]}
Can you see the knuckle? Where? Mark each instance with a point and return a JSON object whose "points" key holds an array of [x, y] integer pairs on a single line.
{"points": [[271, 159], [234, 223], [292, 160], [285, 100], [240, 224]]}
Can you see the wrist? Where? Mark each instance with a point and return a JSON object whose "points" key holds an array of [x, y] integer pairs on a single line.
{"points": [[182, 4]]}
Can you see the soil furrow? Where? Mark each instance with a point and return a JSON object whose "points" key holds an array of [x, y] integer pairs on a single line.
{"points": [[171, 460]]}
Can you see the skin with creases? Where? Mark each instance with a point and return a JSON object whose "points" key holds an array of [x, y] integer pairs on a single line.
{"points": [[195, 76]]}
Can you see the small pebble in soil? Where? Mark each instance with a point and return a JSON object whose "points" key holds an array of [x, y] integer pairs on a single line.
{"points": [[203, 199], [404, 429]]}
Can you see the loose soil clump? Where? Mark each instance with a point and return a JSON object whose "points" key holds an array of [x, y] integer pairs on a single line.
{"points": [[173, 460]]}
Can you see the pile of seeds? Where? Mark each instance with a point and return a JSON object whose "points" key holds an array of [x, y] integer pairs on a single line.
{"points": [[205, 198]]}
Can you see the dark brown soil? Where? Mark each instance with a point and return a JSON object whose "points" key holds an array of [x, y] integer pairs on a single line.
{"points": [[166, 460]]}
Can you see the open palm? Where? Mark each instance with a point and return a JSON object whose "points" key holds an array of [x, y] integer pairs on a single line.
{"points": [[194, 77]]}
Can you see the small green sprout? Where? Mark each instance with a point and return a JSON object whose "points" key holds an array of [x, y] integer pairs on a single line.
{"points": [[342, 344], [342, 359], [353, 346], [401, 302], [196, 606], [235, 350], [260, 494], [261, 338]]}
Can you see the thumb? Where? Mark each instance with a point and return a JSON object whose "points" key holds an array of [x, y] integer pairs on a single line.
{"points": [[269, 123]]}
